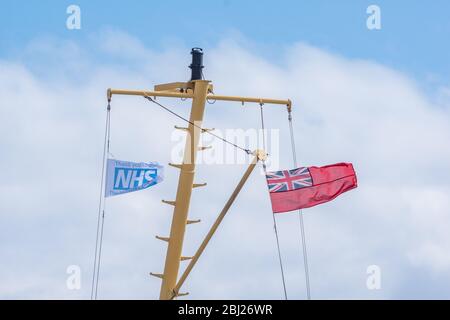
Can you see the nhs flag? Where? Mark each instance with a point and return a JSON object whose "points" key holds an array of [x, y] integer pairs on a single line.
{"points": [[126, 176]]}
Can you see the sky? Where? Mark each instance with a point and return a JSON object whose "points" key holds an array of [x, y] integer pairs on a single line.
{"points": [[377, 98]]}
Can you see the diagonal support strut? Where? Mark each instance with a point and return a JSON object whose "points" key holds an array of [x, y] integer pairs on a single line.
{"points": [[258, 155]]}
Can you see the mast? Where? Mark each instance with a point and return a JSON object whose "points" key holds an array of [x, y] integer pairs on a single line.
{"points": [[186, 179], [199, 90]]}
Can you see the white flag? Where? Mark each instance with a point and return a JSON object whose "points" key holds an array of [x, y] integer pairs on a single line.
{"points": [[126, 176]]}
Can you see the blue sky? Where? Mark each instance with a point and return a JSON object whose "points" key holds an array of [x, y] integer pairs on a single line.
{"points": [[379, 99], [413, 39]]}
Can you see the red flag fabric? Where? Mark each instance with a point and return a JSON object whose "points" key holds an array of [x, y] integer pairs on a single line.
{"points": [[309, 186]]}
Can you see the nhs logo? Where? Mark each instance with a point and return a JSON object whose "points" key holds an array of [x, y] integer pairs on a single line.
{"points": [[125, 176]]}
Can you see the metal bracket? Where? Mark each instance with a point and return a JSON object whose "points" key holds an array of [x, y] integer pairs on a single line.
{"points": [[157, 275], [172, 203], [166, 239], [178, 166], [198, 185]]}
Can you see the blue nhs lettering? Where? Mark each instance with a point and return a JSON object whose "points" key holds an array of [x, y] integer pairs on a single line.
{"points": [[129, 178]]}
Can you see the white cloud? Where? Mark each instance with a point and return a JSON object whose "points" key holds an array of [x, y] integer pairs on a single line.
{"points": [[344, 110]]}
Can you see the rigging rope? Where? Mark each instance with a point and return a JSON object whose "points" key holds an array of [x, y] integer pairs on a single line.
{"points": [[101, 211], [273, 215], [300, 214], [190, 122]]}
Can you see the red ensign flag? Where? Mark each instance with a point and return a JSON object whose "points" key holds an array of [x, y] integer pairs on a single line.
{"points": [[309, 186]]}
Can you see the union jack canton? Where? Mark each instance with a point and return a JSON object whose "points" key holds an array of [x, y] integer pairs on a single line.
{"points": [[288, 180]]}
